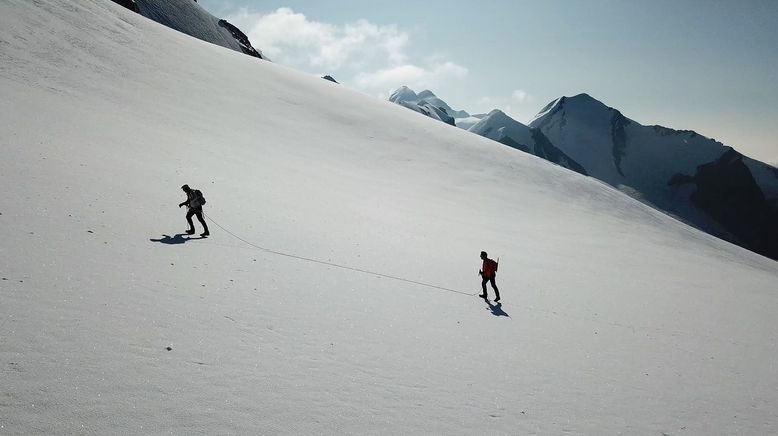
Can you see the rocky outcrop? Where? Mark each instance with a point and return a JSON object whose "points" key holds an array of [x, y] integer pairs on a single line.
{"points": [[727, 191], [619, 137], [242, 39], [129, 4]]}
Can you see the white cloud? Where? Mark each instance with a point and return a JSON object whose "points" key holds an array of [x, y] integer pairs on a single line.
{"points": [[485, 101], [520, 95], [406, 74], [411, 75], [366, 55], [517, 104]]}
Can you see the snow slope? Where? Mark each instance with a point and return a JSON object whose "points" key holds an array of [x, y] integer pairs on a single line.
{"points": [[616, 319]]}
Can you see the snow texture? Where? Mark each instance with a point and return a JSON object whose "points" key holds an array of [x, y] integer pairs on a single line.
{"points": [[616, 319]]}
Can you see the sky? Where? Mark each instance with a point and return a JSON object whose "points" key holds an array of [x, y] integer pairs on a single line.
{"points": [[709, 66]]}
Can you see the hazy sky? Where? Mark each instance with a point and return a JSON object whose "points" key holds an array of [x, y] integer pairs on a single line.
{"points": [[708, 65]]}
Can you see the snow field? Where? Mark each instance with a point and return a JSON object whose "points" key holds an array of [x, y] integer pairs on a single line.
{"points": [[620, 319]]}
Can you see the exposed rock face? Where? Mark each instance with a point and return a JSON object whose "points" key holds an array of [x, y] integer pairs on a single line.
{"points": [[242, 39], [619, 137], [129, 4], [727, 191], [330, 78]]}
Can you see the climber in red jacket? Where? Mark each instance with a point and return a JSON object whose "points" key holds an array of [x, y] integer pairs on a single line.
{"points": [[488, 272]]}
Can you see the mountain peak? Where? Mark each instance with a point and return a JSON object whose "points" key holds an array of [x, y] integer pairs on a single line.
{"points": [[581, 96], [496, 115], [582, 103], [583, 100], [426, 97], [496, 120], [404, 93], [426, 94]]}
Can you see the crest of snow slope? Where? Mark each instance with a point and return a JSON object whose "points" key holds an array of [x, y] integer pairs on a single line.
{"points": [[189, 17], [622, 320]]}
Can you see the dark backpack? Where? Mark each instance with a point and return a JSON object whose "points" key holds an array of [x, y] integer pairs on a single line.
{"points": [[494, 264], [199, 199]]}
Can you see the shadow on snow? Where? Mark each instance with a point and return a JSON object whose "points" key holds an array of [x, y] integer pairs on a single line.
{"points": [[173, 240], [496, 309]]}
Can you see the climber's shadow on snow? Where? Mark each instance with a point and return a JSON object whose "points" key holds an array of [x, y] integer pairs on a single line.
{"points": [[497, 309], [179, 238]]}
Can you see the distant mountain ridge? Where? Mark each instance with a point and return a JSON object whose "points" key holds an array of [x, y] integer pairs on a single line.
{"points": [[426, 103], [500, 127], [696, 179]]}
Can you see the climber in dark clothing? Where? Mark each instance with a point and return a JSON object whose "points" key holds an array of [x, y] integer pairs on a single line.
{"points": [[488, 272], [194, 203]]}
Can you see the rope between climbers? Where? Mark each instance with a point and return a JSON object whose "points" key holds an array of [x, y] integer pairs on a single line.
{"points": [[322, 262]]}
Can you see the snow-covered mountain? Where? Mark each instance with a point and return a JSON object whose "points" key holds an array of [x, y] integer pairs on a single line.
{"points": [[428, 104], [686, 174], [504, 129], [190, 18], [468, 122], [336, 294], [495, 125]]}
